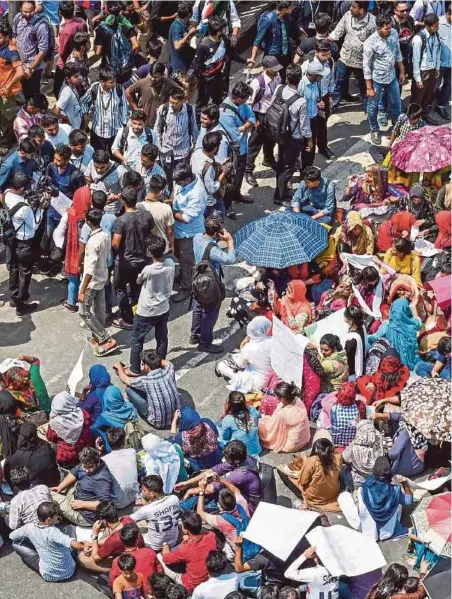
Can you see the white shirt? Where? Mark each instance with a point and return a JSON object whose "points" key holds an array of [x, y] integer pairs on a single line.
{"points": [[132, 151], [122, 464], [62, 137], [162, 517], [217, 587], [198, 160], [270, 85], [320, 582], [82, 162], [69, 103], [23, 220]]}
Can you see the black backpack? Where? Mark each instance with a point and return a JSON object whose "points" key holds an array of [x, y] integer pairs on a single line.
{"points": [[310, 57], [423, 37], [207, 288], [123, 144], [277, 117], [7, 229], [162, 124]]}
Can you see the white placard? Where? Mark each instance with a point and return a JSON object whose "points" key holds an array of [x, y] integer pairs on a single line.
{"points": [[61, 203], [76, 375], [429, 485], [278, 529], [346, 552], [334, 323], [11, 363], [287, 353]]}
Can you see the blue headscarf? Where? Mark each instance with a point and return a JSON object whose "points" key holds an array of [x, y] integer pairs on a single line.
{"points": [[401, 332], [117, 411], [99, 380], [380, 497], [188, 419]]}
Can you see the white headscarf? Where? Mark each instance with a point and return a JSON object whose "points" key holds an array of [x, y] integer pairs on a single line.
{"points": [[258, 329], [66, 418]]}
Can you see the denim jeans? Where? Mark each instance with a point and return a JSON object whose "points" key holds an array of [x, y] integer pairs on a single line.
{"points": [[28, 554], [139, 400], [395, 105], [342, 74], [203, 323], [445, 90], [425, 369], [142, 325], [72, 290], [92, 312]]}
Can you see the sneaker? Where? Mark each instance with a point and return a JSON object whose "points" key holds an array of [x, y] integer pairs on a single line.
{"points": [[193, 340], [231, 214], [382, 119], [119, 323], [351, 98], [242, 200], [27, 309], [375, 138], [211, 349], [251, 180]]}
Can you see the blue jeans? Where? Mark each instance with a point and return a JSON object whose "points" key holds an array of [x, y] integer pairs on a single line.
{"points": [[395, 104], [139, 401], [444, 92], [342, 74], [72, 290], [142, 325], [425, 369], [203, 323]]}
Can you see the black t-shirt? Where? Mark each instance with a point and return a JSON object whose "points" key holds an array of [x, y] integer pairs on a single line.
{"points": [[272, 573], [103, 38], [308, 45], [135, 228]]}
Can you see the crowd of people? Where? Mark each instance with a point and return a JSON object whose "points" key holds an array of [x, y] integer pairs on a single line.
{"points": [[123, 150]]}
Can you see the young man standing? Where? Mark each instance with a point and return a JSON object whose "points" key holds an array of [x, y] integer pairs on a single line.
{"points": [[210, 122], [181, 53], [309, 88], [403, 23], [91, 295], [29, 114], [63, 174], [81, 152], [130, 140], [11, 72], [21, 160], [146, 165], [55, 133], [68, 104], [443, 95]]}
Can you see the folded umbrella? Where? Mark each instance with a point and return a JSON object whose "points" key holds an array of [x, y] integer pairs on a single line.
{"points": [[281, 240], [425, 150], [426, 404], [432, 520]]}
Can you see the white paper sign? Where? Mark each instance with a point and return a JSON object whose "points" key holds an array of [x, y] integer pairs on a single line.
{"points": [[11, 363], [61, 203], [76, 375], [278, 529], [346, 552], [287, 353], [429, 485], [334, 323]]}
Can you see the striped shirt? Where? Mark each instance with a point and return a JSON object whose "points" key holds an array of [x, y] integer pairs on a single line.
{"points": [[31, 38], [23, 506], [173, 133], [161, 394], [110, 110]]}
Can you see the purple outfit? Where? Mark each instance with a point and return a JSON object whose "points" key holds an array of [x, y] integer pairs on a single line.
{"points": [[245, 477]]}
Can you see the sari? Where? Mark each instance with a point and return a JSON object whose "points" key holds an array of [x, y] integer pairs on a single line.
{"points": [[443, 240], [18, 383], [393, 229], [296, 310], [287, 430], [76, 217], [363, 243], [117, 411], [198, 439]]}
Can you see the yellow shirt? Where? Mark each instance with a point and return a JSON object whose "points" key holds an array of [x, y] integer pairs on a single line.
{"points": [[409, 265]]}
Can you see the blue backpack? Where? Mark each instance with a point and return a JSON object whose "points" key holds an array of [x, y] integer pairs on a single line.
{"points": [[120, 50], [249, 548]]}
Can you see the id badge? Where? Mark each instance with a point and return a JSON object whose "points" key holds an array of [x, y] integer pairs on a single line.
{"points": [[311, 25], [168, 158]]}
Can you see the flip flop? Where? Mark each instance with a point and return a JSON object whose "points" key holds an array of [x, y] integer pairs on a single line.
{"points": [[100, 353]]}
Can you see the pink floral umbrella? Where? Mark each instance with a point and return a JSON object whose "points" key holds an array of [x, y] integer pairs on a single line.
{"points": [[423, 151]]}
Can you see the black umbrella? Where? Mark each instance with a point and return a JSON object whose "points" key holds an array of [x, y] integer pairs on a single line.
{"points": [[437, 581]]}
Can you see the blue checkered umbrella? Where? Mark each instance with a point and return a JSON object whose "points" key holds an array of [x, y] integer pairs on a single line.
{"points": [[281, 240]]}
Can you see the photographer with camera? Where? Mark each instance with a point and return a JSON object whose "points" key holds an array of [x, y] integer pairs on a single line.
{"points": [[22, 160], [63, 174], [25, 221]]}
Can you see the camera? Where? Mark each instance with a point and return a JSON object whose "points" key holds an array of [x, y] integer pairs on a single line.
{"points": [[41, 196]]}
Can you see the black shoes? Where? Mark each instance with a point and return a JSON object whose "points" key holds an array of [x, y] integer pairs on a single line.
{"points": [[26, 308], [271, 163], [251, 180], [329, 154], [231, 214], [211, 349], [181, 296], [243, 200]]}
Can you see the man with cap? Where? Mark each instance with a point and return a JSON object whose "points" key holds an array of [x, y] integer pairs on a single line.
{"points": [[309, 88], [263, 86]]}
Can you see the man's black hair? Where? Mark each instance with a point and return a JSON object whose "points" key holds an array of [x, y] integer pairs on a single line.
{"points": [[157, 183], [159, 583], [311, 173], [241, 90], [64, 151], [36, 131], [154, 47], [138, 115], [177, 591], [227, 500], [213, 225], [99, 199], [151, 358], [444, 345], [212, 111], [116, 437], [235, 452], [215, 24], [184, 9], [106, 74], [431, 19], [70, 69], [66, 9], [211, 141], [47, 509], [322, 22], [101, 157], [19, 180], [382, 20], [293, 74], [48, 119], [80, 40], [129, 534], [94, 217], [156, 246], [77, 137], [132, 179], [192, 522], [153, 482], [150, 152], [107, 510], [182, 172], [129, 196], [5, 28], [28, 146], [127, 561]]}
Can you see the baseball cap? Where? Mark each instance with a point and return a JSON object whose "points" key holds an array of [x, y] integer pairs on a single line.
{"points": [[315, 68], [271, 62]]}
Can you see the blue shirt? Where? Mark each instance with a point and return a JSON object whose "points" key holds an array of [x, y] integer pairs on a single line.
{"points": [[191, 201], [180, 59], [14, 163], [311, 93], [444, 33], [273, 34], [313, 200], [231, 431], [217, 255], [68, 181], [431, 57], [231, 122]]}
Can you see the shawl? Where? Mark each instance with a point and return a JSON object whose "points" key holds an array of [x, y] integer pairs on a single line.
{"points": [[258, 329], [358, 244], [10, 423], [160, 457], [394, 228], [117, 411], [363, 292], [361, 349], [76, 217], [193, 429], [422, 211], [381, 498], [296, 304], [99, 380], [391, 375], [66, 418], [401, 332], [366, 447], [405, 283], [18, 383], [443, 239]]}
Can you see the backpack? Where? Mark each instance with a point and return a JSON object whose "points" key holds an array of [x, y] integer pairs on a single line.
{"points": [[261, 91], [162, 122], [310, 57], [123, 144], [249, 548], [134, 432], [207, 288], [7, 229], [218, 195], [120, 50], [277, 117], [119, 90], [50, 38], [423, 37]]}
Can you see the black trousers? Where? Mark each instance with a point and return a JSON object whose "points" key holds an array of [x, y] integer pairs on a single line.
{"points": [[256, 141], [186, 257], [322, 141], [101, 143], [307, 158], [32, 86], [288, 155], [285, 60], [126, 287], [58, 81], [20, 270], [209, 91], [169, 165], [234, 193]]}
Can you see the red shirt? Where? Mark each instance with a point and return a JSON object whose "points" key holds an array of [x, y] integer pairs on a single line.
{"points": [[193, 553], [147, 564], [65, 39], [113, 545]]}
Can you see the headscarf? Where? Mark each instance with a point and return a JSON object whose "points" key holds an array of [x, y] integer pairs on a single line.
{"points": [[160, 457], [366, 447], [76, 217], [358, 244], [18, 383], [422, 211], [258, 329], [393, 229], [66, 418], [10, 423], [405, 282], [390, 374], [117, 411], [401, 332], [380, 497], [28, 437], [346, 396], [99, 380], [443, 239], [297, 304], [198, 438]]}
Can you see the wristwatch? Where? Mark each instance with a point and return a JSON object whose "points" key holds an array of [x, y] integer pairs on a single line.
{"points": [[201, 493]]}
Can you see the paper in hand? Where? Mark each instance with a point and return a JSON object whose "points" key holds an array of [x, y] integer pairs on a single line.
{"points": [[76, 375]]}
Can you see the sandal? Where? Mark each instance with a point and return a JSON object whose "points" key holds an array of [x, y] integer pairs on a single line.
{"points": [[69, 306], [105, 348], [119, 323]]}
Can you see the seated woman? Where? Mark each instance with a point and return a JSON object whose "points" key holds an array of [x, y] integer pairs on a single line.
{"points": [[197, 437], [37, 455], [335, 299], [380, 503], [356, 235], [10, 423], [92, 398], [368, 296], [443, 239], [334, 361], [396, 584], [422, 209], [117, 412], [294, 309], [341, 413], [405, 286], [27, 386], [401, 331], [355, 342], [318, 477], [444, 198], [360, 456], [385, 385], [69, 429], [287, 430], [397, 227], [403, 259], [442, 360], [240, 423], [249, 370]]}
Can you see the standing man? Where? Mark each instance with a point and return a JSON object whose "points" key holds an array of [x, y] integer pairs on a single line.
{"points": [[422, 8], [91, 295], [131, 231], [237, 120], [403, 23], [210, 121], [299, 139], [273, 36], [443, 95], [176, 133], [322, 23], [309, 88], [29, 114], [181, 52], [63, 174], [426, 66], [381, 52], [23, 160], [355, 27], [35, 42], [263, 87], [11, 72], [130, 140], [190, 201], [68, 105], [205, 246], [152, 312]]}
